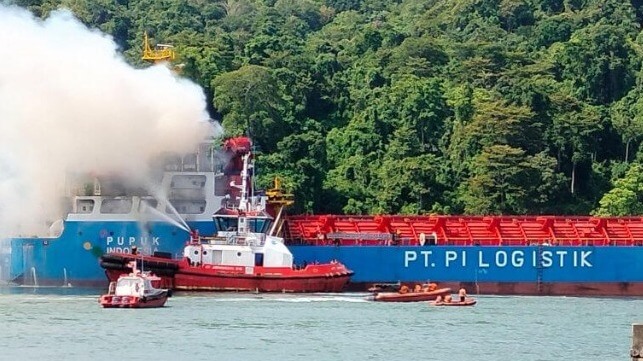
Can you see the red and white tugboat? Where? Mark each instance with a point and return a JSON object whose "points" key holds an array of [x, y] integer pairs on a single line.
{"points": [[135, 290], [243, 255]]}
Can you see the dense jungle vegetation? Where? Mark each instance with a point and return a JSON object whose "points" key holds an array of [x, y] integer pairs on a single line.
{"points": [[415, 106]]}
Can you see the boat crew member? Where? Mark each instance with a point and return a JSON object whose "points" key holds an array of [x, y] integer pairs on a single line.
{"points": [[396, 237], [404, 289], [417, 288], [463, 294], [447, 299], [429, 287], [438, 299]]}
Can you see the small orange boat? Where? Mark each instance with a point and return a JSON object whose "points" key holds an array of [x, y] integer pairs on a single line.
{"points": [[466, 302], [410, 296]]}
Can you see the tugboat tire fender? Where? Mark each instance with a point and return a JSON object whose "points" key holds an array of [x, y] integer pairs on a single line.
{"points": [[113, 258], [112, 265], [159, 265]]}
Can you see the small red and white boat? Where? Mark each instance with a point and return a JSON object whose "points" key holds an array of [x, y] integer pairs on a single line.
{"points": [[243, 255], [410, 296], [466, 302], [135, 290]]}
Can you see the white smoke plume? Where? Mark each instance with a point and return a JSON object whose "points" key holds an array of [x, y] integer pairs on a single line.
{"points": [[70, 103]]}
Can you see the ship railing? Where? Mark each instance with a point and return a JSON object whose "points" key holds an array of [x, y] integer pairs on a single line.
{"points": [[389, 239], [214, 240], [256, 240]]}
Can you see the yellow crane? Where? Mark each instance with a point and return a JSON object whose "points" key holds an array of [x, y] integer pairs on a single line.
{"points": [[160, 53], [279, 200], [277, 197]]}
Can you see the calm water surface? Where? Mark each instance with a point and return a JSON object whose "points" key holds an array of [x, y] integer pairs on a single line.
{"points": [[68, 324]]}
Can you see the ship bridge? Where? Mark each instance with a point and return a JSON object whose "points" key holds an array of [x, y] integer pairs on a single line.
{"points": [[463, 230]]}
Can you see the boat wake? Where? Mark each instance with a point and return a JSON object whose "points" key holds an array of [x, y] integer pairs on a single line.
{"points": [[321, 298], [292, 298]]}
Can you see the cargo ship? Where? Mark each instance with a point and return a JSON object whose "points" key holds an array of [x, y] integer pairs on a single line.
{"points": [[526, 255]]}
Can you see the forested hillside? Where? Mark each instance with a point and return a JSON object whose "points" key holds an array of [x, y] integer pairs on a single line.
{"points": [[415, 106]]}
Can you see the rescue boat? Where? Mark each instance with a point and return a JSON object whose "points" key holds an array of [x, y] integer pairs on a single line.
{"points": [[420, 296], [135, 290]]}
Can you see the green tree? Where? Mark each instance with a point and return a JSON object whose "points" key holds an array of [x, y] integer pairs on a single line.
{"points": [[500, 182], [574, 132], [626, 198], [596, 61], [627, 119], [299, 165], [249, 100]]}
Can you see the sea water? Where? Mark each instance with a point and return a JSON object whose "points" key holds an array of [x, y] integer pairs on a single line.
{"points": [[69, 324]]}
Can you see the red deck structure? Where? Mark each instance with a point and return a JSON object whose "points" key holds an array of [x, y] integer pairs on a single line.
{"points": [[464, 230]]}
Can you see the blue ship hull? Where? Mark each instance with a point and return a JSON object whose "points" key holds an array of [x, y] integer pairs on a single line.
{"points": [[514, 270], [73, 258]]}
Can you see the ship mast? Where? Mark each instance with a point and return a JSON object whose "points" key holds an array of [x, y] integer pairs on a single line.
{"points": [[244, 204]]}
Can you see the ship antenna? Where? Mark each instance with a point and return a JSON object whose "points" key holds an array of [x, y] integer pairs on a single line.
{"points": [[243, 202]]}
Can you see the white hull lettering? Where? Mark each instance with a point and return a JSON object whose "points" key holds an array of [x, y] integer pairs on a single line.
{"points": [[517, 259], [409, 256], [550, 258], [546, 259], [449, 256], [584, 262], [501, 259], [481, 263], [453, 258], [561, 255], [131, 241], [125, 249], [426, 255]]}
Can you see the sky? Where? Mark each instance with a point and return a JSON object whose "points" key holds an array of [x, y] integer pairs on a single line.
{"points": [[70, 104]]}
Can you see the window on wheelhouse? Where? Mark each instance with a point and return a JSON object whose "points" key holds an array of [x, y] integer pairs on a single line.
{"points": [[85, 206], [259, 225], [230, 224], [147, 203], [225, 224], [116, 205]]}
